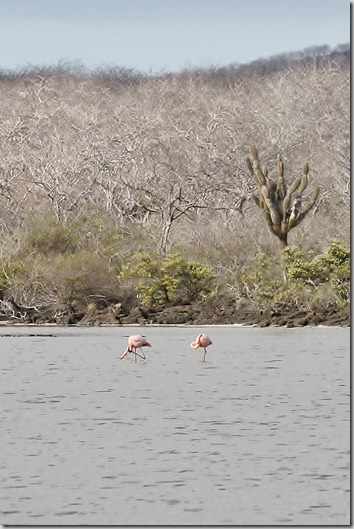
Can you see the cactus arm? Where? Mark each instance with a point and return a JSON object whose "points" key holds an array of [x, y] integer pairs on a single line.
{"points": [[254, 165], [287, 199], [268, 219], [253, 151], [291, 223], [271, 205], [255, 172], [308, 208], [249, 166], [304, 178], [256, 200], [260, 177], [294, 186], [281, 189]]}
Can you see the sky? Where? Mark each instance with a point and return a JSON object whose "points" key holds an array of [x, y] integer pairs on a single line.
{"points": [[154, 36]]}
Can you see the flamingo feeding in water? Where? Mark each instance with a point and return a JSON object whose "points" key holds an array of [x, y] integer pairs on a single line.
{"points": [[202, 340], [135, 342]]}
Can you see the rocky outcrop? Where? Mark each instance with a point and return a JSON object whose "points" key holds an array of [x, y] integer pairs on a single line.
{"points": [[217, 311]]}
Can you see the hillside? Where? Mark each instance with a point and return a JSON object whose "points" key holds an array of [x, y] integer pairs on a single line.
{"points": [[96, 166]]}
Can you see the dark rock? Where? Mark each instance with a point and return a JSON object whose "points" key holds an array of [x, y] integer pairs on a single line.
{"points": [[95, 316], [221, 310], [265, 322], [300, 322]]}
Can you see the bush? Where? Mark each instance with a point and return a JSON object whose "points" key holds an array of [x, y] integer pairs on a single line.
{"points": [[260, 281], [171, 279], [80, 277], [47, 236], [12, 278], [310, 280], [327, 274]]}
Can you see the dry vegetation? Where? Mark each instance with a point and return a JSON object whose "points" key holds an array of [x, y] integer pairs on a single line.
{"points": [[96, 166]]}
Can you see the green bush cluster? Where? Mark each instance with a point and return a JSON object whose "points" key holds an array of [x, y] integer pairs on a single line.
{"points": [[259, 282], [170, 279], [61, 264], [309, 279], [91, 260], [82, 277], [7, 272], [326, 275], [47, 236]]}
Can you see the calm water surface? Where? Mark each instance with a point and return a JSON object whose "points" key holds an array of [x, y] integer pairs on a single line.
{"points": [[258, 434]]}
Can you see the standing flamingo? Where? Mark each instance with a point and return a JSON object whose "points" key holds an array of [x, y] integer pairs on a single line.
{"points": [[135, 342], [202, 340]]}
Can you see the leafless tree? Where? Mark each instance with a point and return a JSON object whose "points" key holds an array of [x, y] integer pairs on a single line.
{"points": [[167, 152]]}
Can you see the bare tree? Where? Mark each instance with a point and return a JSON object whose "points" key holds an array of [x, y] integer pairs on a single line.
{"points": [[165, 152]]}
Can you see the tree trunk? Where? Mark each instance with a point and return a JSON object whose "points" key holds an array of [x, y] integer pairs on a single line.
{"points": [[165, 237], [283, 241]]}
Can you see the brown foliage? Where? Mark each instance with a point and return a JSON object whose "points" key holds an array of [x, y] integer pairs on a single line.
{"points": [[166, 153]]}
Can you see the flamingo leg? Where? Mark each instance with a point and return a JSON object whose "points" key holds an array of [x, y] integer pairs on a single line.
{"points": [[136, 354], [124, 354], [142, 354], [205, 351]]}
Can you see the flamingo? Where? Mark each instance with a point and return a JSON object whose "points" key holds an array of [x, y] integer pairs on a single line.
{"points": [[202, 340], [135, 342]]}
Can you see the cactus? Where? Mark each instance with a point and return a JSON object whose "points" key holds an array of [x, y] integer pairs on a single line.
{"points": [[281, 207]]}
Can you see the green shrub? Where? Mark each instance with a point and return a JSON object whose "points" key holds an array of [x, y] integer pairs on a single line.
{"points": [[324, 278], [171, 279], [80, 277], [47, 236], [4, 281], [260, 281], [11, 272], [327, 274], [64, 278]]}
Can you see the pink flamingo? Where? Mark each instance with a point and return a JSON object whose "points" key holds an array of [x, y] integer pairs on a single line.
{"points": [[135, 342], [202, 340]]}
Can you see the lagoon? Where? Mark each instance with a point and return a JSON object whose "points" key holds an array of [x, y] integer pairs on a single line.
{"points": [[259, 434]]}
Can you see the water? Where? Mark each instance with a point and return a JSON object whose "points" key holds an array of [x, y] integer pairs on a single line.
{"points": [[258, 434]]}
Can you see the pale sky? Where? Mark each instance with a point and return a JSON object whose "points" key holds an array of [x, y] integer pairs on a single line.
{"points": [[164, 35]]}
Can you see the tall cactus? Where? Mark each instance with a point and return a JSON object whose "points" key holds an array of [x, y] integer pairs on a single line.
{"points": [[279, 204]]}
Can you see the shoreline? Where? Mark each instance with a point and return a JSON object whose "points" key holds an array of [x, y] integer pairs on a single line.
{"points": [[216, 312], [4, 325]]}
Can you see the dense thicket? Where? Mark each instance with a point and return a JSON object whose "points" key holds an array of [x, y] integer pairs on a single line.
{"points": [[96, 166]]}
